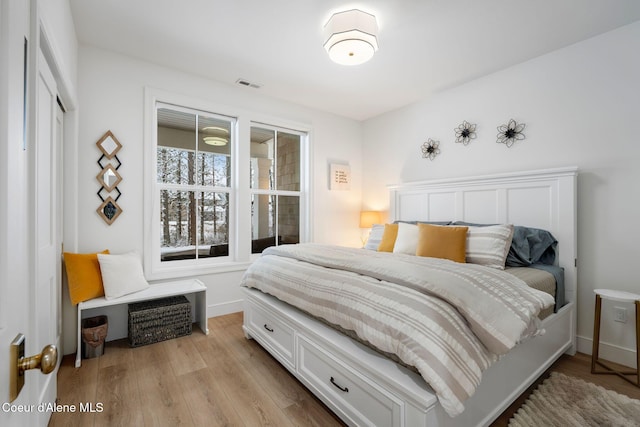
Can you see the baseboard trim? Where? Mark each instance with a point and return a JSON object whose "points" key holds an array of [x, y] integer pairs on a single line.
{"points": [[221, 309], [611, 352]]}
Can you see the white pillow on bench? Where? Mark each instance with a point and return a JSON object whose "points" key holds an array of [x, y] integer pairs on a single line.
{"points": [[121, 274]]}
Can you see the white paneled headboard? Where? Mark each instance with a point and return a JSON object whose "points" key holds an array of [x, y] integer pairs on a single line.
{"points": [[542, 199]]}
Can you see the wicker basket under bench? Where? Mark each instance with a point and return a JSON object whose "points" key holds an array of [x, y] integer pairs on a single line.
{"points": [[183, 287], [159, 320]]}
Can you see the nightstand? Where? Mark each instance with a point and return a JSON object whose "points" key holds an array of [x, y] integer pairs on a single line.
{"points": [[621, 296]]}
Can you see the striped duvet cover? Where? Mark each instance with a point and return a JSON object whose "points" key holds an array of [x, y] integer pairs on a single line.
{"points": [[449, 320]]}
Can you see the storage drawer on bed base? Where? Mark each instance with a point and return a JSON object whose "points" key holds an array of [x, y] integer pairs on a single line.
{"points": [[361, 401], [271, 332], [381, 393]]}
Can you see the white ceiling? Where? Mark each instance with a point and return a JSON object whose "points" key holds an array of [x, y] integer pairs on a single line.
{"points": [[425, 45]]}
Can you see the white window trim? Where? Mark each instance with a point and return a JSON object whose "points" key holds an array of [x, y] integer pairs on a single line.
{"points": [[240, 256]]}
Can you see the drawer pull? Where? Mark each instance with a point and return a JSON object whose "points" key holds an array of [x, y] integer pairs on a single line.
{"points": [[345, 389], [268, 328]]}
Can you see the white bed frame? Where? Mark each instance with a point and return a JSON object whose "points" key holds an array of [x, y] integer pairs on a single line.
{"points": [[364, 388]]}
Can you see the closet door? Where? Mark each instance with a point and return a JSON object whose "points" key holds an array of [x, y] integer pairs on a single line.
{"points": [[45, 158]]}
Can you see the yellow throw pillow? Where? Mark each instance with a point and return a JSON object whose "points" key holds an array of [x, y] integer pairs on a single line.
{"points": [[83, 276], [442, 241], [388, 238]]}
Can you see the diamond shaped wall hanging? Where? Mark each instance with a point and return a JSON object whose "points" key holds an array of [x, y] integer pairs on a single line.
{"points": [[109, 177], [109, 210]]}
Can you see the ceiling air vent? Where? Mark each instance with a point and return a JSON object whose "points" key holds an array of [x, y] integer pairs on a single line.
{"points": [[243, 82]]}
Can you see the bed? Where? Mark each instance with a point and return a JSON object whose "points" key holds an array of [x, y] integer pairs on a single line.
{"points": [[367, 379]]}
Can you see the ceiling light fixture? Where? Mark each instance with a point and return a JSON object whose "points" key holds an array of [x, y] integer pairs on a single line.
{"points": [[351, 37], [215, 129], [215, 135], [215, 140]]}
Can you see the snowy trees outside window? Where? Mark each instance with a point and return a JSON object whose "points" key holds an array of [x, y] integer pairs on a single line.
{"points": [[194, 180], [221, 185]]}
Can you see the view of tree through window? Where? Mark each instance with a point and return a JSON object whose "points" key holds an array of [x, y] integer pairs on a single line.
{"points": [[194, 181]]}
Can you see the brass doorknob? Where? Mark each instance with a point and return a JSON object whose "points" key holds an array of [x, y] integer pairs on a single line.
{"points": [[46, 360]]}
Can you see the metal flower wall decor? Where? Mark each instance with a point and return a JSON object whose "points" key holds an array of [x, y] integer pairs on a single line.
{"points": [[430, 149], [510, 133], [465, 132]]}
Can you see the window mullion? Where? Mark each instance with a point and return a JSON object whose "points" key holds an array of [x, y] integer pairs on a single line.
{"points": [[275, 161], [196, 198]]}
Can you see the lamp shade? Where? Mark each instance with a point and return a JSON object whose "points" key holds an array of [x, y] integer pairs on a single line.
{"points": [[350, 37], [368, 218]]}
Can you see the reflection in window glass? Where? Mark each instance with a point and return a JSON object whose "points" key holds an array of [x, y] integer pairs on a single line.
{"points": [[262, 158], [263, 222], [289, 219], [288, 162], [275, 179]]}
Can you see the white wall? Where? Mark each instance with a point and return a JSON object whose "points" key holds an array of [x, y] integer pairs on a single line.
{"points": [[581, 107], [57, 26], [110, 88]]}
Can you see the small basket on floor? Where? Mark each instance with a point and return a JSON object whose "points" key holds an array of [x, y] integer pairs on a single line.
{"points": [[158, 320], [94, 334]]}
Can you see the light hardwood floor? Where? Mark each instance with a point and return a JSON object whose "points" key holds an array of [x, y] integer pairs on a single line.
{"points": [[219, 379]]}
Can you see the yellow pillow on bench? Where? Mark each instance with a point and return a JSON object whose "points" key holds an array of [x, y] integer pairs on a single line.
{"points": [[83, 276]]}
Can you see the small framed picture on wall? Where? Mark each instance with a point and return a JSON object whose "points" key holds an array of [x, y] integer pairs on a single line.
{"points": [[340, 177]]}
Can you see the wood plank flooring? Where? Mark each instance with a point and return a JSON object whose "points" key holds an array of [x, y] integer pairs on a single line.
{"points": [[221, 379]]}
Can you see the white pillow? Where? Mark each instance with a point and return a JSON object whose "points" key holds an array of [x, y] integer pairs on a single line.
{"points": [[489, 245], [375, 237], [121, 274], [407, 240]]}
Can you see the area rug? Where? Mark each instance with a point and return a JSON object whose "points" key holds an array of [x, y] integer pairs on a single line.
{"points": [[563, 401]]}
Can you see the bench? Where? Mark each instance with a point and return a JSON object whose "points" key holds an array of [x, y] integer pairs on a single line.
{"points": [[183, 287]]}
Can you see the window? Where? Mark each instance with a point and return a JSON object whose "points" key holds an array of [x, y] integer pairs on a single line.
{"points": [[219, 187], [275, 186], [194, 181]]}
